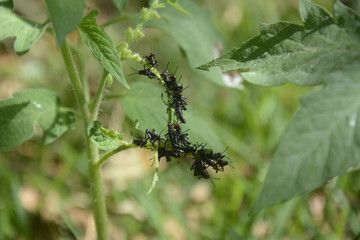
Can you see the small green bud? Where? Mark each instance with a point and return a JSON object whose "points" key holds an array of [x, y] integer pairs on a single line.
{"points": [[154, 15], [122, 45], [158, 5], [146, 14], [109, 80], [133, 35]]}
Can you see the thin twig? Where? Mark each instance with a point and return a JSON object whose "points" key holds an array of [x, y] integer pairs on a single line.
{"points": [[107, 155]]}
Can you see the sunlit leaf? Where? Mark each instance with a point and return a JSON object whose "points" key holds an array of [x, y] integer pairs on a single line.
{"points": [[105, 139], [286, 52], [26, 33], [322, 141], [102, 46], [20, 114]]}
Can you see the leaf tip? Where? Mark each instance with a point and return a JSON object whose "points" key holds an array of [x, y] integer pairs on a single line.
{"points": [[125, 84], [313, 14], [203, 67]]}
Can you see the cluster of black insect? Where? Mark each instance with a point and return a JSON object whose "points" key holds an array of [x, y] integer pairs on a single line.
{"points": [[175, 141]]}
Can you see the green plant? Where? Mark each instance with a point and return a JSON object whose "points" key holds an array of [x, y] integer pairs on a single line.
{"points": [[325, 125], [40, 107]]}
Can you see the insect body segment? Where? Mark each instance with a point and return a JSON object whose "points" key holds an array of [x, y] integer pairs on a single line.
{"points": [[150, 59]]}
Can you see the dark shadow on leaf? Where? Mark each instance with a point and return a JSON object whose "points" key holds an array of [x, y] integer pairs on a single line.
{"points": [[263, 43], [9, 112], [326, 23], [63, 121]]}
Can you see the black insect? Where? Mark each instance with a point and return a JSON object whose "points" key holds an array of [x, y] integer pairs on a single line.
{"points": [[171, 135], [182, 138], [140, 141], [178, 108], [222, 163], [145, 72], [178, 100], [168, 153], [209, 162], [165, 76], [211, 159], [169, 80], [177, 95], [186, 149], [200, 169], [153, 136], [219, 158], [172, 85], [150, 59], [176, 140]]}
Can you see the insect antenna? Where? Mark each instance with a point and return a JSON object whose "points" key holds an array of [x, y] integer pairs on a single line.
{"points": [[136, 72]]}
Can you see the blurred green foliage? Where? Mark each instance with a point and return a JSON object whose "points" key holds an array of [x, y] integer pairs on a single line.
{"points": [[44, 192]]}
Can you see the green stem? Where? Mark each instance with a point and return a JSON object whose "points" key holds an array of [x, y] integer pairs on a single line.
{"points": [[112, 152], [98, 97], [82, 71], [156, 176], [115, 20], [112, 96], [98, 200], [75, 81], [97, 193]]}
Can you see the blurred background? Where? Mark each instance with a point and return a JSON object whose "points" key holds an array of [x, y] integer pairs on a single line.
{"points": [[44, 193]]}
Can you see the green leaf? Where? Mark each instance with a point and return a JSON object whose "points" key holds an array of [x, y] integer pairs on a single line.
{"points": [[143, 103], [26, 33], [7, 4], [200, 131], [65, 16], [20, 114], [321, 142], [178, 7], [187, 30], [105, 139], [286, 52], [65, 120], [121, 4], [102, 46], [348, 19]]}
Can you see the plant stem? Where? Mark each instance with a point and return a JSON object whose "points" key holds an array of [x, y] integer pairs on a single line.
{"points": [[112, 96], [97, 193], [75, 81], [112, 152], [82, 71], [115, 20], [98, 200], [98, 97], [156, 176]]}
